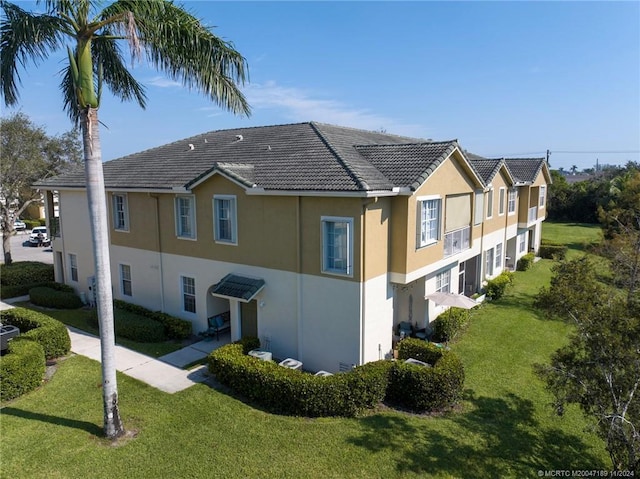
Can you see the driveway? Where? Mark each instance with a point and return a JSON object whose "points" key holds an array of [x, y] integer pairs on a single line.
{"points": [[21, 250]]}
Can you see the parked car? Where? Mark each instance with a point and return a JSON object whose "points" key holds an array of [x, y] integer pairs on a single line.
{"points": [[19, 225], [39, 235]]}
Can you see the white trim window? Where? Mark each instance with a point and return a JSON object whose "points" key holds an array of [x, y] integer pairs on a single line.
{"points": [[188, 291], [490, 203], [120, 212], [498, 256], [501, 200], [488, 263], [522, 243], [185, 217], [428, 221], [443, 282], [225, 219], [337, 245], [125, 280], [513, 194], [73, 267], [543, 194]]}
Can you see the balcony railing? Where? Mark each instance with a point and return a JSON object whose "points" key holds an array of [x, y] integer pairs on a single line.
{"points": [[533, 214], [457, 241]]}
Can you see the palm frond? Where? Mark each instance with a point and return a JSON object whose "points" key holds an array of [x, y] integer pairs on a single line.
{"points": [[24, 38], [178, 44]]}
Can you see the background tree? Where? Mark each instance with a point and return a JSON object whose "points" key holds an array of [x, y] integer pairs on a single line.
{"points": [[600, 367], [173, 41], [27, 154]]}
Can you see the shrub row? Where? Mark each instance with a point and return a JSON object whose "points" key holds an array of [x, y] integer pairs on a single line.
{"points": [[496, 287], [50, 333], [525, 262], [17, 278], [132, 326], [21, 369], [555, 251], [55, 295], [344, 394], [174, 328], [448, 324]]}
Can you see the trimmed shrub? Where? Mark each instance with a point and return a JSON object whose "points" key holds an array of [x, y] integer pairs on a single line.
{"points": [[525, 262], [50, 333], [297, 393], [554, 251], [55, 298], [174, 328], [496, 287], [133, 326], [449, 323], [17, 278], [420, 388], [21, 369]]}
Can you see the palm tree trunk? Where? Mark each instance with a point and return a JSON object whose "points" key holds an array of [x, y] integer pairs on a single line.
{"points": [[113, 427]]}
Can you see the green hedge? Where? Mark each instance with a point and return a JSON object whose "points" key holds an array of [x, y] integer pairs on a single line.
{"points": [[58, 298], [425, 388], [175, 328], [50, 333], [17, 278], [297, 393], [449, 323], [497, 286], [525, 262], [343, 394], [21, 369], [132, 326], [554, 251]]}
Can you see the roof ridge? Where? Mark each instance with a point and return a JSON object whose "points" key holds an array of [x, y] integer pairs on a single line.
{"points": [[362, 130], [377, 145]]}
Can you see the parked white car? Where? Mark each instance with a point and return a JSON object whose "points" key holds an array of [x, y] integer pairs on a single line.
{"points": [[37, 234], [19, 225]]}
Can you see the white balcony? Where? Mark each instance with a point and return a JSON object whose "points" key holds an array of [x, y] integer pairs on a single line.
{"points": [[457, 241]]}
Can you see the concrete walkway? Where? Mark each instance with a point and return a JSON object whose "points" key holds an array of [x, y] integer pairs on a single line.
{"points": [[164, 373]]}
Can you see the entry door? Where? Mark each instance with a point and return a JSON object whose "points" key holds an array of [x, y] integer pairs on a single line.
{"points": [[249, 319], [461, 279]]}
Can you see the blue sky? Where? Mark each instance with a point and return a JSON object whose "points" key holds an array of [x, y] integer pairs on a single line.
{"points": [[504, 78]]}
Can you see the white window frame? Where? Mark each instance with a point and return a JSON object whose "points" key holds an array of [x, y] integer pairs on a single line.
{"points": [[513, 195], [120, 217], [498, 256], [232, 219], [522, 242], [73, 267], [188, 291], [180, 233], [125, 278], [443, 281], [328, 266], [501, 201], [490, 203], [489, 260], [542, 197], [426, 225]]}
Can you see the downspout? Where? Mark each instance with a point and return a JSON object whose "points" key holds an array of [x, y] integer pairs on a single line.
{"points": [[159, 246], [299, 277]]}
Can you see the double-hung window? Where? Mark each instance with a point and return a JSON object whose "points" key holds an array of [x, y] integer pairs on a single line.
{"points": [[226, 230], [73, 267], [188, 286], [125, 280], [428, 221], [443, 281], [185, 217], [337, 245], [120, 212], [501, 203], [522, 243], [489, 262], [512, 201], [543, 192], [490, 203], [499, 256]]}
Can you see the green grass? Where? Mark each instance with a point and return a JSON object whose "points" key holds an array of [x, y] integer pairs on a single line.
{"points": [[504, 426], [579, 237], [77, 318]]}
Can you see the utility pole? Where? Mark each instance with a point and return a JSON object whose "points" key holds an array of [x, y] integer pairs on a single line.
{"points": [[548, 153]]}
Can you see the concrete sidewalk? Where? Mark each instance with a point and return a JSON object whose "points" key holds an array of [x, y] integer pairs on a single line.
{"points": [[164, 373]]}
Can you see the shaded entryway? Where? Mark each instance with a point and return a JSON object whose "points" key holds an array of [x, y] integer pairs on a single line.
{"points": [[240, 293]]}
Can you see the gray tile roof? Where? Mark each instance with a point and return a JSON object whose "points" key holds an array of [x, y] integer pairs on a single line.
{"points": [[524, 170], [239, 287], [303, 156], [486, 169]]}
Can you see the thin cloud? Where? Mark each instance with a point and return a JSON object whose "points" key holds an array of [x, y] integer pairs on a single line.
{"points": [[299, 105], [162, 82]]}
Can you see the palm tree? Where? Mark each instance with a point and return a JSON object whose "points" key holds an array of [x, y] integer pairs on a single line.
{"points": [[172, 40]]}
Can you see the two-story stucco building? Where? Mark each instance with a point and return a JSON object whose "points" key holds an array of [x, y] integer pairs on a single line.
{"points": [[318, 239]]}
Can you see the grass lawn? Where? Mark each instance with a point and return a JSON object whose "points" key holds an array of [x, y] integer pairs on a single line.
{"points": [[504, 426]]}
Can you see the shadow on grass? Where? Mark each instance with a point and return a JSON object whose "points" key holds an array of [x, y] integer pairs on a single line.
{"points": [[499, 433], [57, 420]]}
